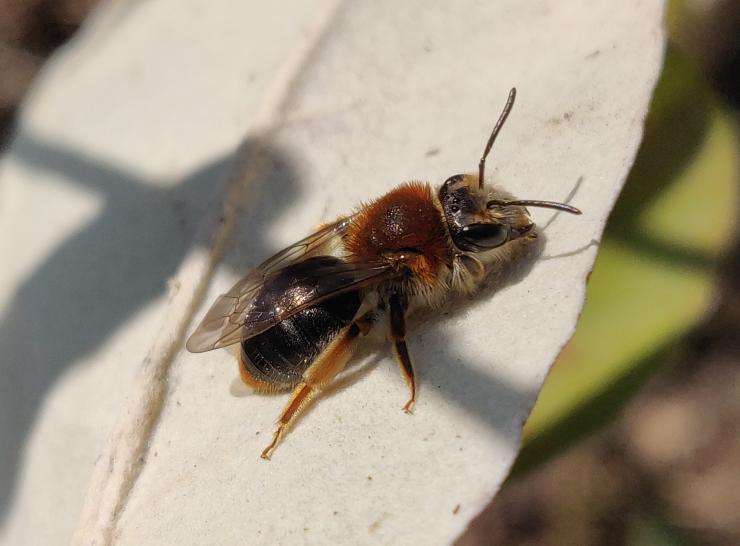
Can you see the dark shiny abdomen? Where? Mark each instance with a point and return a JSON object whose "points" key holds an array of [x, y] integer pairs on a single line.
{"points": [[281, 354]]}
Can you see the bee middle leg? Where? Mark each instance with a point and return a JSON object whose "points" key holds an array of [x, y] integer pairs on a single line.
{"points": [[398, 334], [323, 370]]}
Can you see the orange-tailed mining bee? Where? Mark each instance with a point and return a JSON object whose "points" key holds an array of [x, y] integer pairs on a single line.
{"points": [[298, 316]]}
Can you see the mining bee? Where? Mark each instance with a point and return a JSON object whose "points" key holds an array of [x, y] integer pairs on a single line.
{"points": [[298, 316]]}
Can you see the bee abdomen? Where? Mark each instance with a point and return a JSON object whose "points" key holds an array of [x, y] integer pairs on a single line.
{"points": [[281, 354]]}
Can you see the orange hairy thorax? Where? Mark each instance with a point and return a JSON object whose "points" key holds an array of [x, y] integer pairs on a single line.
{"points": [[406, 221]]}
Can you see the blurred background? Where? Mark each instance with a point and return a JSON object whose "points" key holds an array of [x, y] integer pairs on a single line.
{"points": [[636, 436]]}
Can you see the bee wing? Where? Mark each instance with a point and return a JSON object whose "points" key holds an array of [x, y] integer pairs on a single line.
{"points": [[236, 316]]}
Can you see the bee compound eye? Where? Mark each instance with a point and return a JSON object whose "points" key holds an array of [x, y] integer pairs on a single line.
{"points": [[485, 236]]}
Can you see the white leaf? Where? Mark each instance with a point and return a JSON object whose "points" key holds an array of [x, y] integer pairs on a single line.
{"points": [[163, 110]]}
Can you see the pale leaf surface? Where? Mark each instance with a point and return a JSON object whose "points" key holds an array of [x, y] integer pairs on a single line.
{"points": [[301, 113]]}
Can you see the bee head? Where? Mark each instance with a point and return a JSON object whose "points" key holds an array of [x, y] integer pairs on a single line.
{"points": [[480, 218]]}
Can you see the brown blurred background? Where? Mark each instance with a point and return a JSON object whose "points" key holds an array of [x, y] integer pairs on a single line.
{"points": [[30, 31], [665, 468]]}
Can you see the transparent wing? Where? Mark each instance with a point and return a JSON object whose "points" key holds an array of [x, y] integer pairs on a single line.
{"points": [[245, 312]]}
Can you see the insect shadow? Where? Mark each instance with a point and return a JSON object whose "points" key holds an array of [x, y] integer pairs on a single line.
{"points": [[109, 269], [475, 386]]}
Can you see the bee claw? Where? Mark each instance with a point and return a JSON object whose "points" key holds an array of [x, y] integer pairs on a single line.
{"points": [[269, 449], [267, 452]]}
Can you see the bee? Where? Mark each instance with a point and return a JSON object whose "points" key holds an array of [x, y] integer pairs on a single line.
{"points": [[299, 315]]}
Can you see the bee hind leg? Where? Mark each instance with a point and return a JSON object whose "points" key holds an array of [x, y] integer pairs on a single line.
{"points": [[397, 306], [322, 371]]}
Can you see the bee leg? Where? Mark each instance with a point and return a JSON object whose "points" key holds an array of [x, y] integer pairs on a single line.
{"points": [[321, 372], [398, 334], [301, 396]]}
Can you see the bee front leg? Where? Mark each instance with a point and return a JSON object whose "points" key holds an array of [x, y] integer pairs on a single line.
{"points": [[397, 306]]}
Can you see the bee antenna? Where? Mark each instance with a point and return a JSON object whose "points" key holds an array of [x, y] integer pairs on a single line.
{"points": [[534, 203], [496, 129]]}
